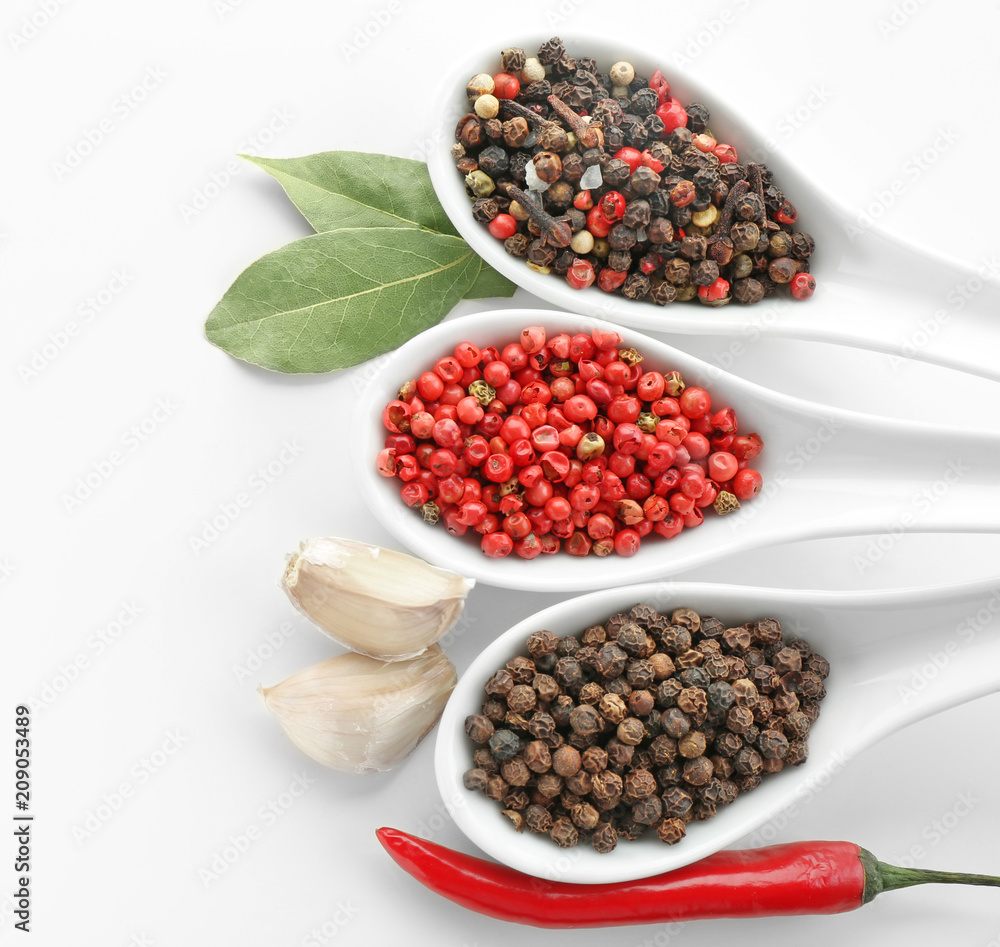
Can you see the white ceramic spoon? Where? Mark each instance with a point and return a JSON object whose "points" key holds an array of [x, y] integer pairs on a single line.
{"points": [[827, 472], [875, 290], [896, 657]]}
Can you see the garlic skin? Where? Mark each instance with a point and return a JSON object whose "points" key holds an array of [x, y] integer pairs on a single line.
{"points": [[374, 601], [359, 714]]}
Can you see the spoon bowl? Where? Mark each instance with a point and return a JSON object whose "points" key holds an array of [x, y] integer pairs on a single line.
{"points": [[827, 472], [896, 657], [876, 291]]}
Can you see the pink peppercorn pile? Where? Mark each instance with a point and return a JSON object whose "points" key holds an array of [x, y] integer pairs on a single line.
{"points": [[563, 443]]}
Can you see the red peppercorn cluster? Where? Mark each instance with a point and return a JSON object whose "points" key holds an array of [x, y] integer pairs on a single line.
{"points": [[608, 179], [641, 725], [563, 442]]}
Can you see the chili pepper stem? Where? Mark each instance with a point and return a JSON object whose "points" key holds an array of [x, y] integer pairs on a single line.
{"points": [[880, 877]]}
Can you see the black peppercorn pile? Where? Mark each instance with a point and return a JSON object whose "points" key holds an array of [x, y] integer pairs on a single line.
{"points": [[642, 724], [700, 227]]}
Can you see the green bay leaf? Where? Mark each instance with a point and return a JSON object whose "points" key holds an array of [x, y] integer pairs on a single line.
{"points": [[335, 299], [337, 189], [489, 284]]}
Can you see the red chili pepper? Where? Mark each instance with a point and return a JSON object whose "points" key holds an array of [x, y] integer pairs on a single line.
{"points": [[797, 878]]}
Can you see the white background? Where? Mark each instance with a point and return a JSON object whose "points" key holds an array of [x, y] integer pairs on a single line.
{"points": [[155, 716]]}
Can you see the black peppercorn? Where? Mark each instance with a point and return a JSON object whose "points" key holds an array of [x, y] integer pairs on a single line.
{"points": [[747, 762], [478, 728], [517, 244], [676, 639], [537, 757], [605, 838], [619, 755], [716, 666], [631, 731], [540, 253], [580, 782], [482, 758], [542, 642], [568, 672], [620, 261], [494, 160], [515, 771], [551, 51], [485, 209], [475, 779], [631, 638], [671, 831], [782, 269], [643, 101], [772, 766], [720, 695], [522, 699], [500, 683], [643, 181], [812, 685], [692, 744], [818, 665], [675, 723], [537, 819], [591, 693], [728, 743], [803, 245], [566, 761], [636, 286], [549, 785], [662, 293], [496, 787], [739, 719], [619, 686], [594, 759], [584, 719], [594, 635], [641, 703], [704, 273], [772, 745], [654, 127], [564, 833], [797, 753], [607, 787], [676, 802], [747, 291], [611, 661], [612, 708], [692, 701], [667, 691]]}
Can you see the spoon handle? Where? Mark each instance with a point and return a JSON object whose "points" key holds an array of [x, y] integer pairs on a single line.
{"points": [[851, 474], [889, 295], [934, 654], [952, 309]]}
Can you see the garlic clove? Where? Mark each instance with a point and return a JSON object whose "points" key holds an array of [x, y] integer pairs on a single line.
{"points": [[372, 600], [360, 714]]}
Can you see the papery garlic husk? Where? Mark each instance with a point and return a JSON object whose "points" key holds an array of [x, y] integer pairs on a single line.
{"points": [[372, 600], [360, 714]]}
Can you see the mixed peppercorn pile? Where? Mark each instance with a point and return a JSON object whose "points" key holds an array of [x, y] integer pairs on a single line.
{"points": [[641, 725], [563, 442], [607, 178]]}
